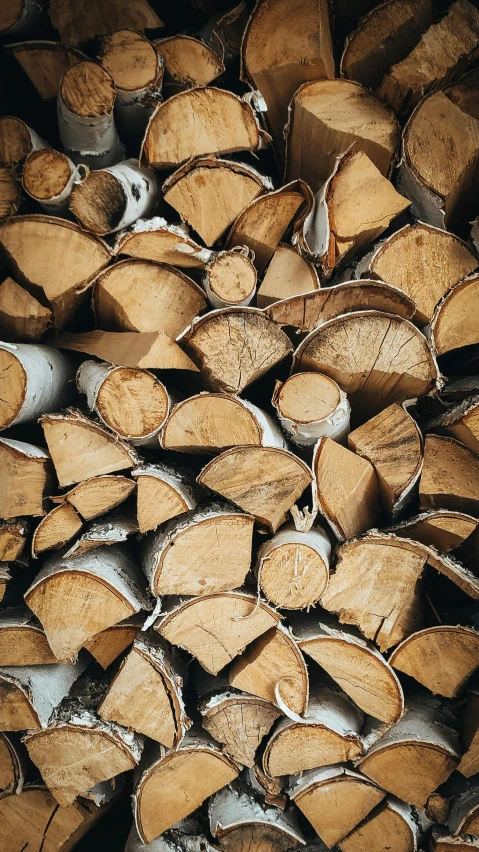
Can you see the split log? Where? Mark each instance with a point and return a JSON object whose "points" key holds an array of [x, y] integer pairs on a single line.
{"points": [[22, 639], [107, 645], [154, 239], [98, 495], [12, 765], [75, 25], [311, 406], [238, 721], [81, 448], [181, 778], [392, 360], [215, 628], [384, 37], [147, 350], [469, 764], [392, 442], [347, 489], [443, 529], [19, 17], [225, 30], [45, 63], [209, 193], [13, 536], [354, 663], [85, 115], [230, 280], [56, 529], [107, 580], [450, 476], [17, 141], [183, 837], [293, 567], [200, 121], [464, 93], [424, 262], [452, 325], [146, 693], [187, 557], [140, 295], [27, 477], [392, 819], [115, 529], [263, 481], [288, 274], [10, 192], [442, 841], [270, 789], [326, 117], [416, 755], [163, 492], [437, 808], [273, 668], [301, 50], [48, 177], [461, 422], [334, 800], [328, 734], [29, 694], [188, 63], [238, 820], [77, 749], [55, 258], [441, 55], [464, 815], [234, 347], [22, 317], [34, 380], [442, 658]]}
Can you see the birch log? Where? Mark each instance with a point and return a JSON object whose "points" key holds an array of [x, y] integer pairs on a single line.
{"points": [[163, 492], [311, 406], [111, 199], [34, 380], [49, 177], [293, 567], [17, 141]]}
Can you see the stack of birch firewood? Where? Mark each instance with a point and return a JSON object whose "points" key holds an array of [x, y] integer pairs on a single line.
{"points": [[239, 414]]}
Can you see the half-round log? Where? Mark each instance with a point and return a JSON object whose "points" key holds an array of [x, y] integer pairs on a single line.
{"points": [[442, 658], [22, 639], [56, 529], [450, 476], [154, 239], [188, 61], [452, 325], [163, 493]]}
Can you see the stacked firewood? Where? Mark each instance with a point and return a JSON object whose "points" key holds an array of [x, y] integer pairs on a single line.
{"points": [[239, 414]]}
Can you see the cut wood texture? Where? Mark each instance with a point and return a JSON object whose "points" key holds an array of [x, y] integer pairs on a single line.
{"points": [[442, 658], [154, 239], [163, 492], [22, 317], [34, 380], [12, 764], [29, 694], [442, 528], [56, 529], [450, 476], [10, 192], [462, 423], [469, 764], [13, 536], [75, 25], [332, 115], [452, 325], [238, 721], [107, 645], [188, 62], [98, 495], [293, 567], [148, 350], [444, 841], [17, 141], [237, 818], [288, 274], [48, 177], [114, 529], [22, 639], [391, 819], [27, 476], [109, 200], [45, 63], [311, 406], [230, 280]]}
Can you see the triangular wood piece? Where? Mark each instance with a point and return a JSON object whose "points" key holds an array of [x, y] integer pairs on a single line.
{"points": [[226, 712], [107, 645], [163, 493], [146, 349], [442, 658], [443, 529], [96, 496], [453, 325], [75, 27], [56, 529], [22, 317], [22, 639], [45, 63], [450, 476], [392, 819], [462, 423], [287, 275], [27, 477]]}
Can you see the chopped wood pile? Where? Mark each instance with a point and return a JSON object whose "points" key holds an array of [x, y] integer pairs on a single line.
{"points": [[239, 426]]}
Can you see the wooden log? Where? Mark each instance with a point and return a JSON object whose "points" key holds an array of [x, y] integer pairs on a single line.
{"points": [[442, 657], [45, 63], [293, 567], [464, 93], [98, 495], [464, 814], [106, 579], [451, 325], [234, 347], [263, 481], [56, 529], [450, 475], [163, 492], [12, 765], [48, 177], [238, 721], [29, 694], [238, 819], [328, 734], [200, 121], [270, 789], [416, 755], [230, 279], [384, 37], [442, 841], [224, 31], [56, 260], [107, 645], [273, 668], [393, 361], [154, 239], [407, 260], [426, 69], [392, 442], [469, 764], [182, 778], [328, 116], [215, 628], [181, 837], [188, 63], [311, 406], [10, 192], [17, 141], [461, 422], [210, 193], [34, 380], [335, 800], [392, 819], [22, 639], [145, 695], [288, 274], [115, 529], [140, 295], [354, 663], [132, 403], [442, 528], [187, 557], [13, 536], [81, 448], [75, 25], [147, 350], [347, 489], [22, 317], [27, 477], [19, 17]]}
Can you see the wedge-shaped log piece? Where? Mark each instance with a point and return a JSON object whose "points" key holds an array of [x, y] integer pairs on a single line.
{"points": [[98, 495], [12, 764], [288, 274], [75, 599], [416, 755], [56, 529], [442, 658], [452, 325], [34, 379], [10, 192], [76, 26], [238, 721], [107, 645], [110, 199], [81, 448], [462, 423], [13, 535], [17, 141], [273, 668], [48, 177], [181, 778], [311, 406], [230, 279], [443, 841], [335, 800], [469, 764], [464, 93], [200, 121], [215, 628], [154, 239], [114, 529], [347, 489], [302, 50], [384, 37], [45, 63], [187, 556], [27, 476], [464, 815], [264, 481], [22, 317], [29, 694], [328, 734], [293, 567], [424, 262], [55, 258], [443, 52], [376, 358], [188, 63], [392, 819], [238, 818], [443, 529], [450, 476], [163, 492], [355, 664], [22, 639], [326, 118], [143, 349], [234, 347], [392, 442], [209, 194], [146, 693]]}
